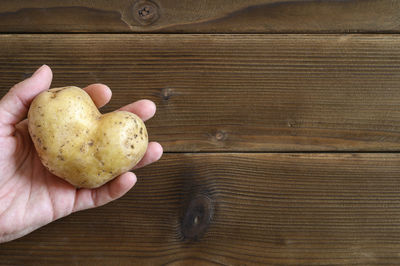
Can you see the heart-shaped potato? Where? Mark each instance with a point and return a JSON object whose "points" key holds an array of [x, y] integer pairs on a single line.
{"points": [[79, 144]]}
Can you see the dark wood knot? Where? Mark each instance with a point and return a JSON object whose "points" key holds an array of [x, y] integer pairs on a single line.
{"points": [[146, 12], [166, 93], [197, 217]]}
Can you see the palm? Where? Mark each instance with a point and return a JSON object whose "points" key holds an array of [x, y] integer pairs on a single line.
{"points": [[30, 196]]}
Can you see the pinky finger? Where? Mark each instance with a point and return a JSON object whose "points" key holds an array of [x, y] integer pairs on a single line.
{"points": [[91, 198]]}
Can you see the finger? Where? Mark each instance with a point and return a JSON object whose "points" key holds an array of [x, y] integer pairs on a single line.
{"points": [[145, 109], [153, 154], [91, 198], [14, 105], [100, 94]]}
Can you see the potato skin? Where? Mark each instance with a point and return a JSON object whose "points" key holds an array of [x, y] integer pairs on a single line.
{"points": [[79, 144]]}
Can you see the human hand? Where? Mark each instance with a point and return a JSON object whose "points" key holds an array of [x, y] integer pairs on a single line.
{"points": [[30, 196]]}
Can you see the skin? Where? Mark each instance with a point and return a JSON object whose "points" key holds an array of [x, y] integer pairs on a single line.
{"points": [[31, 196]]}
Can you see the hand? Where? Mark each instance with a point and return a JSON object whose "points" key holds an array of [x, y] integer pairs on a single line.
{"points": [[30, 196]]}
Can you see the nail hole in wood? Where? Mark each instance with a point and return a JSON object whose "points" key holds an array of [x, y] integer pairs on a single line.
{"points": [[166, 93]]}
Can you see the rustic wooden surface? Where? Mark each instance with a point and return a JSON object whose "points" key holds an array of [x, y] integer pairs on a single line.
{"points": [[281, 149], [255, 16], [234, 92], [276, 209]]}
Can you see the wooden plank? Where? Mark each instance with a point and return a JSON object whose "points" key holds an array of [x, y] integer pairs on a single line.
{"points": [[275, 209], [205, 16], [234, 92]]}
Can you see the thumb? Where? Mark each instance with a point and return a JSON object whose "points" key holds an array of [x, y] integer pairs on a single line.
{"points": [[14, 105]]}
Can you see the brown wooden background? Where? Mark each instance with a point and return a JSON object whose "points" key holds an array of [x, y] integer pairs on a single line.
{"points": [[280, 122]]}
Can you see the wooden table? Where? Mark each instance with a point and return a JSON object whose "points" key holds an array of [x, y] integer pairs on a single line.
{"points": [[280, 122]]}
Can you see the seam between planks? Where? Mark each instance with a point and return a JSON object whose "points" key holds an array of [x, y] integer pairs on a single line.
{"points": [[207, 33], [281, 152]]}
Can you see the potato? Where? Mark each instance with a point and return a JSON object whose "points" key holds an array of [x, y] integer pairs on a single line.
{"points": [[79, 144]]}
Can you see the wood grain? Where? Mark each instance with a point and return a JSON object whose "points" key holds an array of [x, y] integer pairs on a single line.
{"points": [[275, 209], [204, 16], [234, 92]]}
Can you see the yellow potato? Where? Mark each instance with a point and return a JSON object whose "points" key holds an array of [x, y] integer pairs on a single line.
{"points": [[79, 144]]}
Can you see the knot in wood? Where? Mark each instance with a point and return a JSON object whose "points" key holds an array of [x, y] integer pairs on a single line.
{"points": [[146, 12], [197, 217], [166, 93], [220, 135]]}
